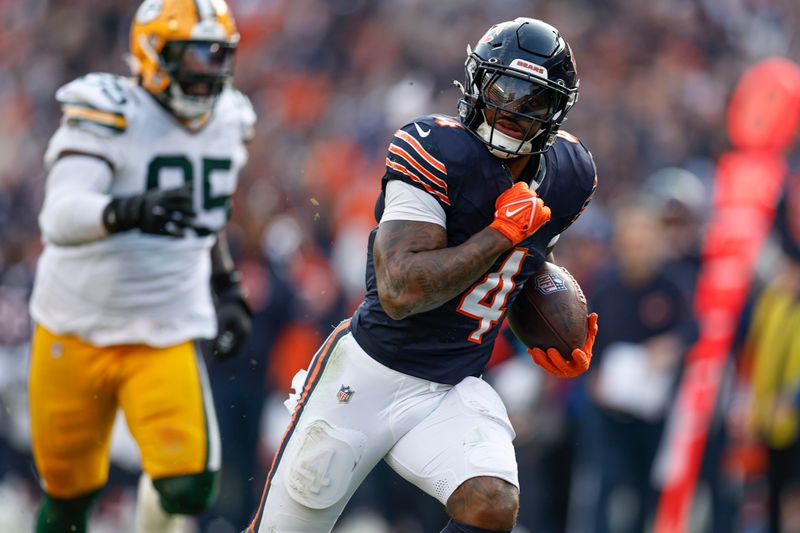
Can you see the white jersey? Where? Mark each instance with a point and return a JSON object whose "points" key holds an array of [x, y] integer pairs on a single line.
{"points": [[133, 287]]}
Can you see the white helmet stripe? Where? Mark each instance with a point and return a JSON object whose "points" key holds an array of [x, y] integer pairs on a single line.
{"points": [[208, 28], [205, 9]]}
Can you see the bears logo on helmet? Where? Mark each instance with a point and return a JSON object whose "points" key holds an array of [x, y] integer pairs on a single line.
{"points": [[520, 84], [182, 52]]}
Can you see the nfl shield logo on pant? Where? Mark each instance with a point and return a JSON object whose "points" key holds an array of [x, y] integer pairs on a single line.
{"points": [[344, 394]]}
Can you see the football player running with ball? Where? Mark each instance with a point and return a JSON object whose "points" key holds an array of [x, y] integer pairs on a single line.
{"points": [[136, 269], [470, 208]]}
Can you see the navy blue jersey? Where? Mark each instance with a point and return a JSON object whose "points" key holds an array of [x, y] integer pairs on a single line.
{"points": [[438, 155]]}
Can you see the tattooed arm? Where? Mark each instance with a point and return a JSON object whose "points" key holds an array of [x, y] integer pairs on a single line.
{"points": [[416, 272]]}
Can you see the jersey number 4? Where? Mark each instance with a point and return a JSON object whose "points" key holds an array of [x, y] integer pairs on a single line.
{"points": [[486, 300]]}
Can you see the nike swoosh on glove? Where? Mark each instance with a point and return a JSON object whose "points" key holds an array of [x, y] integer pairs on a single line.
{"points": [[519, 213], [556, 364]]}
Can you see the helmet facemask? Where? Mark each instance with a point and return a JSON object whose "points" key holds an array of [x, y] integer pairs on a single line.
{"points": [[525, 110], [198, 72]]}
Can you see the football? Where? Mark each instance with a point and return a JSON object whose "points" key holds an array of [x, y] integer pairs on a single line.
{"points": [[550, 311]]}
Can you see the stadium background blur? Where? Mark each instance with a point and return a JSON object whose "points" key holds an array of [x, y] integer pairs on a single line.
{"points": [[331, 80]]}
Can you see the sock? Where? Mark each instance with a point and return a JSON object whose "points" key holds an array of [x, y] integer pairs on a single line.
{"points": [[150, 516], [72, 514], [454, 526]]}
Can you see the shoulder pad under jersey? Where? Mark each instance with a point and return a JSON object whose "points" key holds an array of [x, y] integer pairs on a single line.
{"points": [[581, 160], [97, 109], [416, 156], [581, 165], [98, 102], [234, 105]]}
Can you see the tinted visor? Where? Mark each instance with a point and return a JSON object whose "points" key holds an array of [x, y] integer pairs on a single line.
{"points": [[521, 96], [200, 67]]}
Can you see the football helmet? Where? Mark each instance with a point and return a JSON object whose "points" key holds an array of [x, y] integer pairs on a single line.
{"points": [[520, 83], [182, 52]]}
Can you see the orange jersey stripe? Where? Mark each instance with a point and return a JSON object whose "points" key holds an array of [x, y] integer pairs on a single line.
{"points": [[394, 149], [438, 165], [400, 168], [317, 365]]}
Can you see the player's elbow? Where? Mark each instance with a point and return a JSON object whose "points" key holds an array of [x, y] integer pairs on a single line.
{"points": [[396, 296], [395, 306], [395, 302], [49, 228], [69, 221], [396, 313]]}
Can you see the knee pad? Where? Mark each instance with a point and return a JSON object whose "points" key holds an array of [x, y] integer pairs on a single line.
{"points": [[322, 464], [190, 494], [64, 514]]}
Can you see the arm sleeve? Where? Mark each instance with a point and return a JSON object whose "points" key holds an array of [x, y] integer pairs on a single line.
{"points": [[75, 196], [406, 202]]}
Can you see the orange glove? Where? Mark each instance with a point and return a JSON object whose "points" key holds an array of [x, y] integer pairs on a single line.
{"points": [[519, 213], [554, 362]]}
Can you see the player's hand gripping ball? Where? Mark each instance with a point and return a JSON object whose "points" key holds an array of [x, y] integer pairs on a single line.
{"points": [[571, 365], [519, 213], [549, 317]]}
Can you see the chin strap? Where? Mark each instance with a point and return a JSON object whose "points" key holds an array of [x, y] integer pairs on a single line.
{"points": [[495, 138], [188, 107]]}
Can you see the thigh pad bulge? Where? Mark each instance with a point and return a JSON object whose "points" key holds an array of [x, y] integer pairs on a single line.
{"points": [[322, 459]]}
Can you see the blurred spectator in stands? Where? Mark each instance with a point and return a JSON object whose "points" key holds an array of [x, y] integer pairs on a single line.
{"points": [[681, 202], [585, 249], [637, 355]]}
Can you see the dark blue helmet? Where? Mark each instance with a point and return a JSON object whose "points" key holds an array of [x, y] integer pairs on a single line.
{"points": [[520, 84]]}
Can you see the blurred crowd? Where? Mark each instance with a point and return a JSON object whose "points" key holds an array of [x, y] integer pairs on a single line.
{"points": [[331, 80]]}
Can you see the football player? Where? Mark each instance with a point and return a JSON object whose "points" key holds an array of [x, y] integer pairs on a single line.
{"points": [[135, 268], [469, 209]]}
